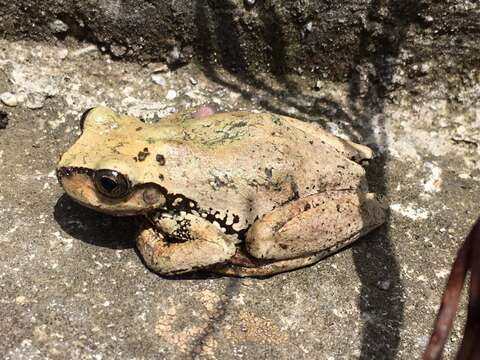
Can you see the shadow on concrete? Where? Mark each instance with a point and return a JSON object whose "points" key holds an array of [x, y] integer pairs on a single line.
{"points": [[200, 341], [93, 227], [370, 81]]}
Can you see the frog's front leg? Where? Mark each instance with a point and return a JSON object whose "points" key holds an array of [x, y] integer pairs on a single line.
{"points": [[182, 243], [317, 224]]}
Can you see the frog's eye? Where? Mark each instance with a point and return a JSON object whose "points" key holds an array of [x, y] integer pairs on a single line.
{"points": [[111, 183]]}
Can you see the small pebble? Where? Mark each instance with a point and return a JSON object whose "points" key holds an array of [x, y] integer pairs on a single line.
{"points": [[171, 94], [58, 26], [193, 81], [62, 54], [318, 85], [118, 50], [384, 284], [9, 99], [160, 68], [35, 101], [308, 26], [425, 68], [428, 19], [174, 56], [85, 50], [158, 79]]}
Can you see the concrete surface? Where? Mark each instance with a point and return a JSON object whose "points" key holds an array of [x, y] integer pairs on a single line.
{"points": [[72, 285], [309, 36]]}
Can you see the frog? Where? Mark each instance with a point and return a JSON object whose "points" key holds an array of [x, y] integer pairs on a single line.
{"points": [[247, 194]]}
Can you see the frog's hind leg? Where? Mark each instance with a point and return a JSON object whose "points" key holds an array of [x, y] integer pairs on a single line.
{"points": [[266, 268], [314, 226]]}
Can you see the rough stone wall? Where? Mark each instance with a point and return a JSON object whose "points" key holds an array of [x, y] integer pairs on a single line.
{"points": [[325, 38]]}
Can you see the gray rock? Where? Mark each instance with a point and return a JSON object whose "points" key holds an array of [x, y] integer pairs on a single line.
{"points": [[158, 79], [35, 101], [118, 50], [9, 99], [58, 26]]}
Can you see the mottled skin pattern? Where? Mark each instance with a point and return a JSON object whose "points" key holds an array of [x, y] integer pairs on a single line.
{"points": [[235, 193]]}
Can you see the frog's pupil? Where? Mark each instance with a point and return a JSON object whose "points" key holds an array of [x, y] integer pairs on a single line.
{"points": [[108, 184]]}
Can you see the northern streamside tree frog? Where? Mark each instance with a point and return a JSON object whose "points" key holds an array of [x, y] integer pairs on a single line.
{"points": [[245, 194]]}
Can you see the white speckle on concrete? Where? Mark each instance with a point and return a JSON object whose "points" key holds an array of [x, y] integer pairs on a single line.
{"points": [[442, 274], [434, 182], [62, 54], [32, 80], [146, 109], [85, 50], [58, 26], [9, 99], [66, 242], [410, 211], [171, 94], [158, 79]]}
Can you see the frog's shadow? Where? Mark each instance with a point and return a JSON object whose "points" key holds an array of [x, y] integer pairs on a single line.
{"points": [[93, 227]]}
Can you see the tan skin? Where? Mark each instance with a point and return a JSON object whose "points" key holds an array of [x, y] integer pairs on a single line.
{"points": [[234, 193]]}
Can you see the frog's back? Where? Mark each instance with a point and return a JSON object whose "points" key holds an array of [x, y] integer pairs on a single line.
{"points": [[246, 129], [246, 164]]}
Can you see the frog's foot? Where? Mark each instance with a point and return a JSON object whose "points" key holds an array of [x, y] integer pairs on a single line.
{"points": [[174, 246], [304, 231]]}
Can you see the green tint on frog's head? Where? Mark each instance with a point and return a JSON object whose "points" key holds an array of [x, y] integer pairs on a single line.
{"points": [[110, 167]]}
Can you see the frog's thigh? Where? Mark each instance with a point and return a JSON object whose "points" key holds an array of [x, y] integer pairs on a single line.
{"points": [[323, 222], [206, 245]]}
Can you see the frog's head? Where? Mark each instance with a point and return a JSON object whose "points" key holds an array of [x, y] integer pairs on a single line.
{"points": [[110, 167]]}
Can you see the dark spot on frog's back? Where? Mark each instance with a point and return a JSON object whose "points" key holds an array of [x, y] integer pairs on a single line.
{"points": [[238, 124], [142, 155], [160, 159], [276, 120]]}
